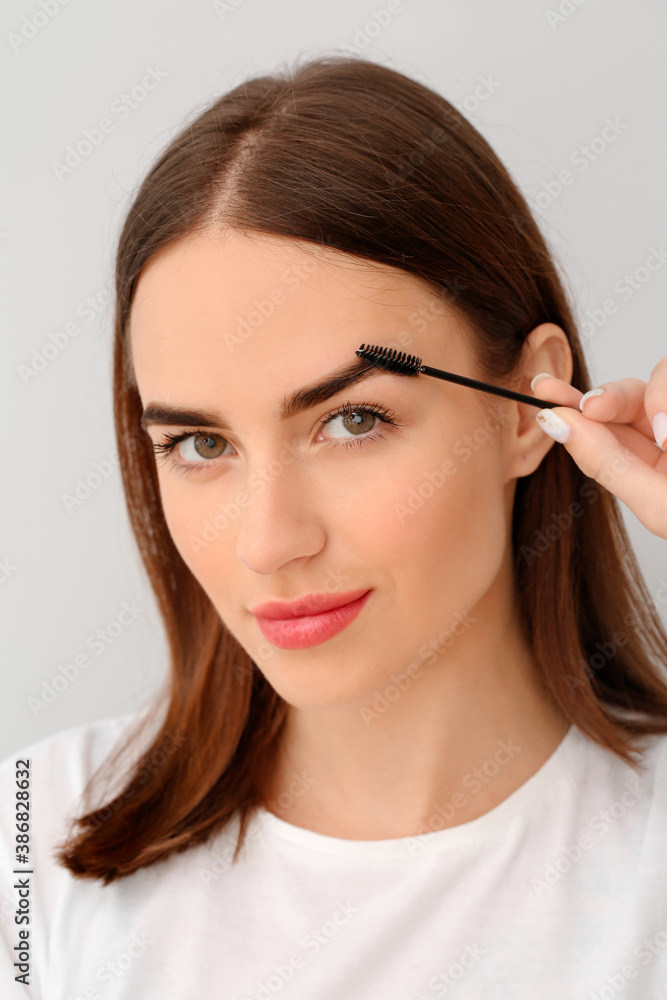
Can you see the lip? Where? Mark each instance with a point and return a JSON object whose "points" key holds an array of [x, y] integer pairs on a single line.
{"points": [[303, 631], [308, 605]]}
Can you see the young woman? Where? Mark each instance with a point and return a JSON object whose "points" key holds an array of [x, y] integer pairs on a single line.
{"points": [[413, 741]]}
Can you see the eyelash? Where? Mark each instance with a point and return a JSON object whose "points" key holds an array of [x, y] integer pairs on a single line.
{"points": [[171, 441]]}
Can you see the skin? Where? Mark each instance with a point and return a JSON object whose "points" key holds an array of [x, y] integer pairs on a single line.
{"points": [[327, 519], [616, 439]]}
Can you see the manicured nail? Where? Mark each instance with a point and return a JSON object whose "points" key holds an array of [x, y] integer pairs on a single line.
{"points": [[659, 425], [553, 425], [541, 375], [587, 395]]}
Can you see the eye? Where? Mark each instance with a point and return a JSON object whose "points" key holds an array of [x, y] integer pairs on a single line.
{"points": [[191, 448], [360, 421], [199, 449]]}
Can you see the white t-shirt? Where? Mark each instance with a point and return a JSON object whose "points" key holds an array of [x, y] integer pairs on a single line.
{"points": [[558, 893]]}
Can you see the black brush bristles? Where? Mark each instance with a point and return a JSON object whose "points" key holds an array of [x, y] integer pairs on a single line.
{"points": [[393, 361], [409, 364]]}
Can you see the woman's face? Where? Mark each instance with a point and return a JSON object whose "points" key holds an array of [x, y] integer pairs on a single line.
{"points": [[267, 507]]}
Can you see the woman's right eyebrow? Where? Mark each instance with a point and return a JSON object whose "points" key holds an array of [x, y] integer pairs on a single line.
{"points": [[296, 402]]}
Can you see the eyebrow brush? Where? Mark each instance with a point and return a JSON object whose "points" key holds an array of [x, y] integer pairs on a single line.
{"points": [[408, 364]]}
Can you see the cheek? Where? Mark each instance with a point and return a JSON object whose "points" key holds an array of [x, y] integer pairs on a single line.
{"points": [[441, 514], [445, 533], [201, 524], [431, 519]]}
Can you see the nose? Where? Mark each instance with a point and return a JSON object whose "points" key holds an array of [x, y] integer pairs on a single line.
{"points": [[281, 521]]}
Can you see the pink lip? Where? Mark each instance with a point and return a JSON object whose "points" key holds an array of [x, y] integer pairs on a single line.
{"points": [[283, 625], [310, 604]]}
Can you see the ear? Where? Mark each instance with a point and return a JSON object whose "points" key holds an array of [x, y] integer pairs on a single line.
{"points": [[546, 349]]}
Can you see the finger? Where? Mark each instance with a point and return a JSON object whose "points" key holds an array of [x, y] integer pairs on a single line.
{"points": [[645, 448], [642, 486], [656, 402], [555, 390], [623, 402]]}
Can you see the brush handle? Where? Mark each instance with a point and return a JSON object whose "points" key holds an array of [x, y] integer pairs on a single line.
{"points": [[485, 387]]}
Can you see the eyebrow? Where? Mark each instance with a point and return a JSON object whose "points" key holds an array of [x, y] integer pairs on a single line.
{"points": [[296, 402]]}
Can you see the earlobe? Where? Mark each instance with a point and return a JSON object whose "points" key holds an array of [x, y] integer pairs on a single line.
{"points": [[528, 444]]}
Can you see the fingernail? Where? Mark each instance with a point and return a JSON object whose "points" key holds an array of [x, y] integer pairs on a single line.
{"points": [[659, 425], [553, 425], [541, 375], [587, 395]]}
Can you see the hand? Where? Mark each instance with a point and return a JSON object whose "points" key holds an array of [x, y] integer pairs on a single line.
{"points": [[613, 440]]}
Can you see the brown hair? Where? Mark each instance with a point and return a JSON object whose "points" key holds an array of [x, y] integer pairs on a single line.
{"points": [[349, 154]]}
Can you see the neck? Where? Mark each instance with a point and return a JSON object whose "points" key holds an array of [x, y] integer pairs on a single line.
{"points": [[466, 732]]}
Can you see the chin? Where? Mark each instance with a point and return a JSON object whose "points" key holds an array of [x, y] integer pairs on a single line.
{"points": [[317, 687]]}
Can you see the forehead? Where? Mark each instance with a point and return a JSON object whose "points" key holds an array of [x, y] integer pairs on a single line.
{"points": [[211, 308], [236, 273]]}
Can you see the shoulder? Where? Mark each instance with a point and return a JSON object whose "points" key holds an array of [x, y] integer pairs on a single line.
{"points": [[654, 763], [55, 771], [599, 771], [649, 748], [79, 750]]}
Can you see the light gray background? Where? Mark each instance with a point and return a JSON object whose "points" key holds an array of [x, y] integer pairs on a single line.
{"points": [[555, 77]]}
